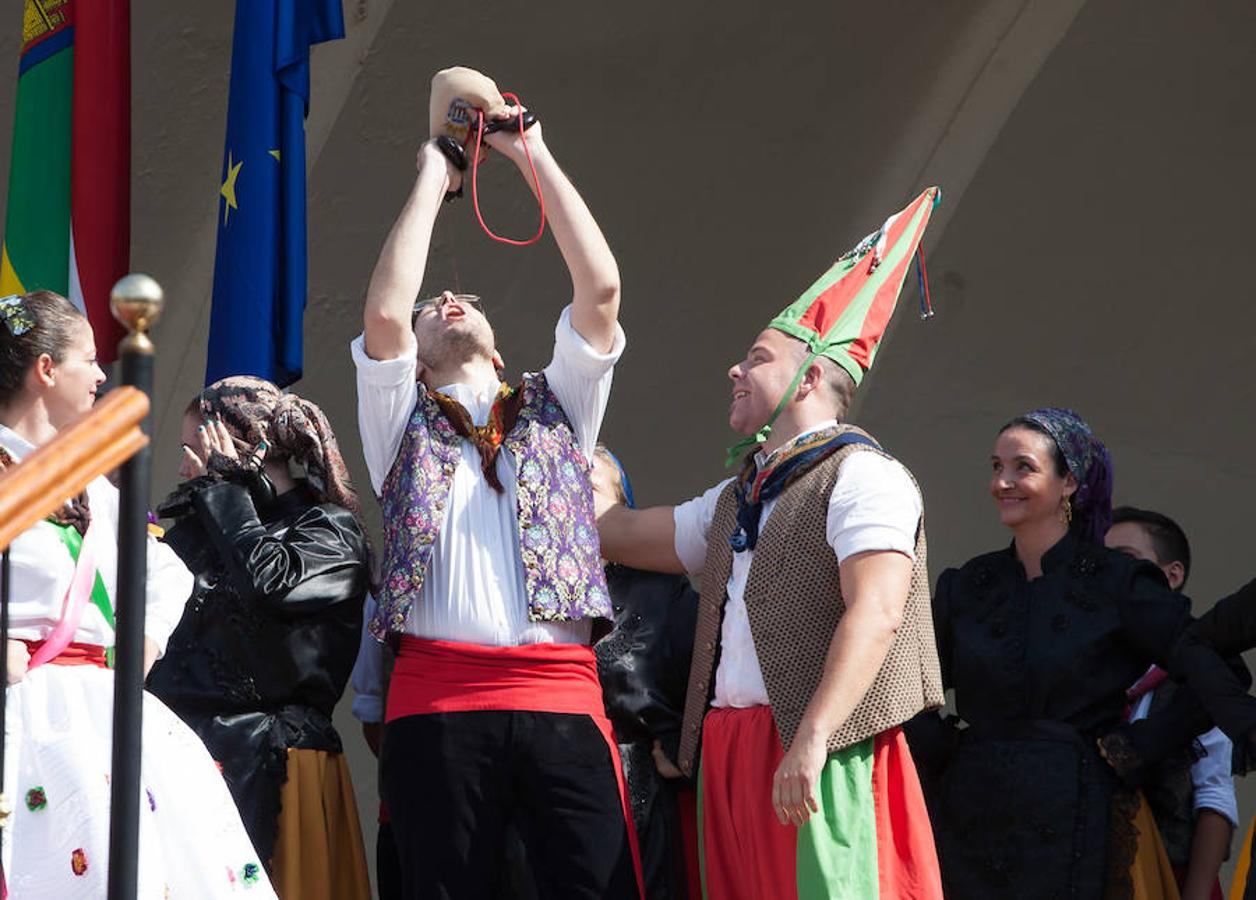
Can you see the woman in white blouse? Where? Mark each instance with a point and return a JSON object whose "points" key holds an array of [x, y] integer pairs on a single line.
{"points": [[60, 695]]}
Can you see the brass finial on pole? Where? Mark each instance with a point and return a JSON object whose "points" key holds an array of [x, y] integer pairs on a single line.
{"points": [[136, 301]]}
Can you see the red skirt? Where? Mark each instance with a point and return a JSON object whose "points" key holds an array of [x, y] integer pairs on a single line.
{"points": [[871, 838]]}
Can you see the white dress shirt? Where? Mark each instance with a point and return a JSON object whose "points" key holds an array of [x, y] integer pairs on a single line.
{"points": [[1211, 775], [474, 590], [874, 506], [42, 570]]}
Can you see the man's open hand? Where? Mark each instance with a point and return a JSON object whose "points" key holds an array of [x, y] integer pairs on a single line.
{"points": [[796, 780]]}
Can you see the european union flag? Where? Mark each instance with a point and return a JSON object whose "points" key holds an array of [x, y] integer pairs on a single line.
{"points": [[260, 264]]}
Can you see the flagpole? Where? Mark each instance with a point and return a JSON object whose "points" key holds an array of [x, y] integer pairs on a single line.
{"points": [[136, 301]]}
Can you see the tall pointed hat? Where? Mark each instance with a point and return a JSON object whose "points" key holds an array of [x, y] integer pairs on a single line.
{"points": [[844, 314]]}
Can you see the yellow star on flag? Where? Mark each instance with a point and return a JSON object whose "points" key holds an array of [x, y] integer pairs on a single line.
{"points": [[227, 191], [274, 153]]}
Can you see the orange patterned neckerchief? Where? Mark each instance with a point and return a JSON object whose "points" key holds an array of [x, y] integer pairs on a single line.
{"points": [[488, 437]]}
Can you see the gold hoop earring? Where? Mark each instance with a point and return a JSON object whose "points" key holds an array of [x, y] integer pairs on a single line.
{"points": [[1066, 512]]}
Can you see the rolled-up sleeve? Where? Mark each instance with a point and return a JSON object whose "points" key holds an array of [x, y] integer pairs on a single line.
{"points": [[874, 506], [1211, 775], [580, 378], [387, 392]]}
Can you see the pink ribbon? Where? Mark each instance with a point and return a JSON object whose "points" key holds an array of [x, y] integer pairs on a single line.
{"points": [[76, 597]]}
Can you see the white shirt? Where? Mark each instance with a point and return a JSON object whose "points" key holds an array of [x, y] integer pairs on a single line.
{"points": [[874, 506], [474, 590], [1211, 775], [42, 569]]}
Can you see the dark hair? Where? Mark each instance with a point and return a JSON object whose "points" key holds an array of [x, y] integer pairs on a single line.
{"points": [[840, 385], [835, 380], [1061, 464], [1168, 540], [52, 319]]}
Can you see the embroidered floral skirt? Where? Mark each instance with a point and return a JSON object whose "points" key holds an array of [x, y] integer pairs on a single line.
{"points": [[57, 770]]}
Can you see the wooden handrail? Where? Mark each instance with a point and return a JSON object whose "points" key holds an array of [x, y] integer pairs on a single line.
{"points": [[98, 442]]}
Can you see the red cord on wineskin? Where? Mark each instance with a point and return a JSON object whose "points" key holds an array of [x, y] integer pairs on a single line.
{"points": [[475, 178]]}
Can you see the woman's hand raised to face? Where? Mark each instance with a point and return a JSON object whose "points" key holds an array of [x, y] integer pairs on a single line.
{"points": [[212, 438]]}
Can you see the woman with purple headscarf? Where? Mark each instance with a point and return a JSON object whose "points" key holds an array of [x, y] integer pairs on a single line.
{"points": [[1039, 642]]}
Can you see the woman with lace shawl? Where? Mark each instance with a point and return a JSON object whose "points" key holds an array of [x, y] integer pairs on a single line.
{"points": [[268, 641], [1039, 642], [58, 724]]}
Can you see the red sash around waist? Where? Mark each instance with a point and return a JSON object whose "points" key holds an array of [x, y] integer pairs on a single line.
{"points": [[74, 654], [445, 676]]}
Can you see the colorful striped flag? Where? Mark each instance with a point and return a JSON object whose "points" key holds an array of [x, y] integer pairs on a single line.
{"points": [[68, 223]]}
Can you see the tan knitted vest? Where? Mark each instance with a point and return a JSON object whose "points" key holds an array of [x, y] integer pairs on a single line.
{"points": [[794, 602]]}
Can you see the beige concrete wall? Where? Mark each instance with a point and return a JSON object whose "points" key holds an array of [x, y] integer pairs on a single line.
{"points": [[1090, 250]]}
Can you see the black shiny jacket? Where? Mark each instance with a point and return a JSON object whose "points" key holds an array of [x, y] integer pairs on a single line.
{"points": [[268, 640]]}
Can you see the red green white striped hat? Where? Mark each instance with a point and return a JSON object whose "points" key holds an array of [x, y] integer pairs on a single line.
{"points": [[845, 313]]}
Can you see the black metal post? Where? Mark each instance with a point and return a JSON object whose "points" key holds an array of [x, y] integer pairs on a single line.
{"points": [[135, 301]]}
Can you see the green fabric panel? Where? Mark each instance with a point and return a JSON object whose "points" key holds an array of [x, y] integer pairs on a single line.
{"points": [[37, 222], [100, 595], [837, 847]]}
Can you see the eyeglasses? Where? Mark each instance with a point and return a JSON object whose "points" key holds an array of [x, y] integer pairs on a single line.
{"points": [[433, 303]]}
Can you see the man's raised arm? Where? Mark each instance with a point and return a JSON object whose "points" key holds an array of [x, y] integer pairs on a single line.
{"points": [[398, 273], [594, 273]]}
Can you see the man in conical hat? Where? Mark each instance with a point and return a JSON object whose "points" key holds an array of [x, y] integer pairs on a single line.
{"points": [[814, 640]]}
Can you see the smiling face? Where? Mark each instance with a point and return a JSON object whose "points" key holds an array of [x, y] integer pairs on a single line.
{"points": [[761, 379], [450, 332], [71, 383], [1025, 482]]}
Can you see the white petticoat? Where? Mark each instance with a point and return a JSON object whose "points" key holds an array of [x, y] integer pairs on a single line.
{"points": [[57, 763]]}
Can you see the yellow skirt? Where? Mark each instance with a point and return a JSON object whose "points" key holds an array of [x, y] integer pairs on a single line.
{"points": [[318, 851], [1242, 865], [1152, 874]]}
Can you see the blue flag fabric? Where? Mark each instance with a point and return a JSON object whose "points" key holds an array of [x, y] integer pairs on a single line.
{"points": [[258, 308]]}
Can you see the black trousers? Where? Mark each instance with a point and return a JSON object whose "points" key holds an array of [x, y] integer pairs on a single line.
{"points": [[387, 864], [453, 781]]}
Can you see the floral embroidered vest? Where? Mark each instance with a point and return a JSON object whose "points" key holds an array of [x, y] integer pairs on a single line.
{"points": [[557, 532]]}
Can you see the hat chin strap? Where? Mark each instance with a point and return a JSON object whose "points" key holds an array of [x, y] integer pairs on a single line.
{"points": [[753, 441]]}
